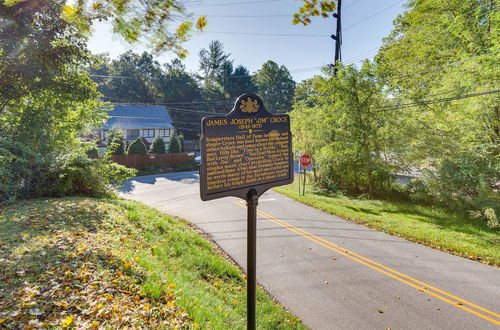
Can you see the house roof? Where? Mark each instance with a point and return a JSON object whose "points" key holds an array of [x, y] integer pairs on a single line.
{"points": [[135, 117]]}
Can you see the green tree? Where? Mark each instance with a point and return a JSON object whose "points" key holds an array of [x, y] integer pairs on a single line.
{"points": [[446, 50], [350, 151], [175, 144], [138, 79], [275, 86], [178, 85], [239, 82], [158, 146], [137, 147], [213, 60], [116, 142]]}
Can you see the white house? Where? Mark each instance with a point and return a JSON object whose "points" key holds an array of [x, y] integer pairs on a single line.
{"points": [[147, 122]]}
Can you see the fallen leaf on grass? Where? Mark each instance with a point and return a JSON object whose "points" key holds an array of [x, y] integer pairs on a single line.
{"points": [[67, 322]]}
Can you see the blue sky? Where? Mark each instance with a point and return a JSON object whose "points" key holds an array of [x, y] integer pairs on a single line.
{"points": [[364, 23]]}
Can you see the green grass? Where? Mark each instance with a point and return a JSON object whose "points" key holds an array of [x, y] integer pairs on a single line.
{"points": [[431, 226], [112, 263]]}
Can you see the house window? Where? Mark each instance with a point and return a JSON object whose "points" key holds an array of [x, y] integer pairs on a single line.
{"points": [[149, 133], [132, 133], [164, 132]]}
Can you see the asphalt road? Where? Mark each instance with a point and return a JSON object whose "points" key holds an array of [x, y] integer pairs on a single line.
{"points": [[334, 274]]}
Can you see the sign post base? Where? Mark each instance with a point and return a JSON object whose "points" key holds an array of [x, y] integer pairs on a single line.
{"points": [[252, 202]]}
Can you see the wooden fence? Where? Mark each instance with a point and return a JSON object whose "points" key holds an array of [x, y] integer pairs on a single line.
{"points": [[139, 161]]}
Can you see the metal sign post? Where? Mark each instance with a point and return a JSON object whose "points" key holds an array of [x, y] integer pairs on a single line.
{"points": [[244, 154], [252, 202]]}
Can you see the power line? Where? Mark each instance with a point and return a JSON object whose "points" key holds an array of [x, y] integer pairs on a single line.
{"points": [[235, 3], [432, 101], [349, 5], [249, 16], [268, 34], [373, 15], [446, 65], [169, 109]]}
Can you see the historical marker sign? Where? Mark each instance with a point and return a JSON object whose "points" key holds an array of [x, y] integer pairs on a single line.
{"points": [[248, 148], [243, 154]]}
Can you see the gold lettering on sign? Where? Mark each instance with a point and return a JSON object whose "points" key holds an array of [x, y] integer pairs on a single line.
{"points": [[246, 159], [249, 106]]}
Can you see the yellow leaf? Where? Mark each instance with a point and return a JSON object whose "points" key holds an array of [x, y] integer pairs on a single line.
{"points": [[69, 11], [136, 259], [11, 2], [67, 322], [128, 264], [2, 321], [201, 23], [170, 304]]}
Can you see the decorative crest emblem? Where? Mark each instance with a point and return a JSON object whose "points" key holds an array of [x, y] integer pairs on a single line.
{"points": [[249, 106]]}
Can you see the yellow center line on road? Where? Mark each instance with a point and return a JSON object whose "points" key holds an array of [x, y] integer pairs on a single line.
{"points": [[423, 287]]}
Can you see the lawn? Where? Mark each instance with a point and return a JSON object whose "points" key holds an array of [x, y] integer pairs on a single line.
{"points": [[79, 262], [431, 226]]}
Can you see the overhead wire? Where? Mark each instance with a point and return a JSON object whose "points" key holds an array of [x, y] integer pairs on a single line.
{"points": [[371, 16], [432, 101], [235, 3]]}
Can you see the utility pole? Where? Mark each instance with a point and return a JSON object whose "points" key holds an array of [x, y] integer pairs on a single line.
{"points": [[338, 36]]}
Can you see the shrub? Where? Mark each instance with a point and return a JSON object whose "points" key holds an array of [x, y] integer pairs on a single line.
{"points": [[76, 174], [92, 152], [175, 144], [22, 170], [158, 146], [137, 147], [26, 173], [116, 142], [185, 167]]}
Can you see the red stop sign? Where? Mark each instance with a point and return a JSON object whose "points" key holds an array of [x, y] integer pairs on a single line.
{"points": [[305, 160]]}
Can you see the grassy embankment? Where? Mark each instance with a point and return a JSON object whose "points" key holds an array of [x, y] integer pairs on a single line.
{"points": [[79, 262], [431, 226]]}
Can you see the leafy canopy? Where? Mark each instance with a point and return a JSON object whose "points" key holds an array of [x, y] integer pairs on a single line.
{"points": [[275, 86]]}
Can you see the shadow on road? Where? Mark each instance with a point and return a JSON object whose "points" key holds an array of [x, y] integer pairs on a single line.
{"points": [[183, 177]]}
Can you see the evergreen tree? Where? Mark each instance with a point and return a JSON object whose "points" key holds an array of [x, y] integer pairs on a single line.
{"points": [[175, 144], [137, 147], [116, 142], [158, 146]]}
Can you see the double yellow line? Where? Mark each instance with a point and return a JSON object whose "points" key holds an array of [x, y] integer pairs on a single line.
{"points": [[419, 285]]}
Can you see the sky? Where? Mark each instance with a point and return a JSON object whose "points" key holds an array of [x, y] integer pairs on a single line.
{"points": [[255, 31]]}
